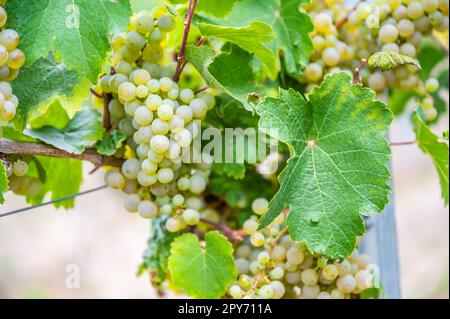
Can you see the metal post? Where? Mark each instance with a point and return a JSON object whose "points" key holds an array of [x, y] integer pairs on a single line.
{"points": [[380, 243]]}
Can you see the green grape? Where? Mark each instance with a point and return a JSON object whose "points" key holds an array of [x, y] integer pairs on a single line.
{"points": [[144, 23], [134, 40], [166, 23], [3, 17], [9, 39]]}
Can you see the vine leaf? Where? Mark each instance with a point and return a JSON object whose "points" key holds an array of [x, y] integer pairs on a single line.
{"points": [[251, 38], [338, 169], [240, 193], [213, 7], [53, 114], [438, 151], [84, 130], [391, 60], [202, 272], [292, 28], [244, 143], [111, 142], [157, 254], [40, 82], [77, 29], [64, 177], [3, 182], [229, 71]]}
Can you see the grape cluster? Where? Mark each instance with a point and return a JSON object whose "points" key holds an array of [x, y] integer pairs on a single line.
{"points": [[272, 266], [11, 60], [160, 120], [394, 25], [18, 180]]}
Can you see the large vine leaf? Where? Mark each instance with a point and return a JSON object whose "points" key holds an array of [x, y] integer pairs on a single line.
{"points": [[76, 29], [3, 182], [40, 82], [229, 71], [216, 8], [64, 177], [292, 28], [337, 171], [84, 130], [251, 38], [438, 151], [157, 254], [202, 272]]}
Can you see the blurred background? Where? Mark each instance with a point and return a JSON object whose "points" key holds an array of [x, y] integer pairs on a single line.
{"points": [[39, 248]]}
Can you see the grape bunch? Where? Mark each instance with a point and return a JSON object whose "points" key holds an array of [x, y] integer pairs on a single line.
{"points": [[272, 266], [11, 60], [392, 26], [18, 180], [161, 121]]}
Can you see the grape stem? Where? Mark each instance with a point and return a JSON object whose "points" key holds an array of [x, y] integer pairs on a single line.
{"points": [[341, 23], [182, 54], [203, 89], [9, 147], [106, 99], [403, 143], [234, 236], [357, 79]]}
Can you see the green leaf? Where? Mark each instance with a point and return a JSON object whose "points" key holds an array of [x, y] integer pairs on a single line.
{"points": [[3, 182], [42, 174], [51, 115], [292, 28], [77, 29], [158, 250], [147, 5], [229, 113], [251, 38], [111, 142], [213, 7], [398, 100], [39, 82], [337, 171], [229, 71], [202, 272], [64, 177], [234, 170], [84, 130], [240, 193], [11, 134], [388, 60], [438, 151], [430, 54]]}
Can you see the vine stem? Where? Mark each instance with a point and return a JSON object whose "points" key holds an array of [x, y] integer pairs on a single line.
{"points": [[9, 147], [403, 143], [187, 28], [357, 78], [233, 236], [341, 23]]}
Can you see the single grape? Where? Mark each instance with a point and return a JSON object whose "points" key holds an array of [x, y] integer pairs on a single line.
{"points": [[20, 168], [131, 203], [260, 206], [191, 217], [166, 23]]}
